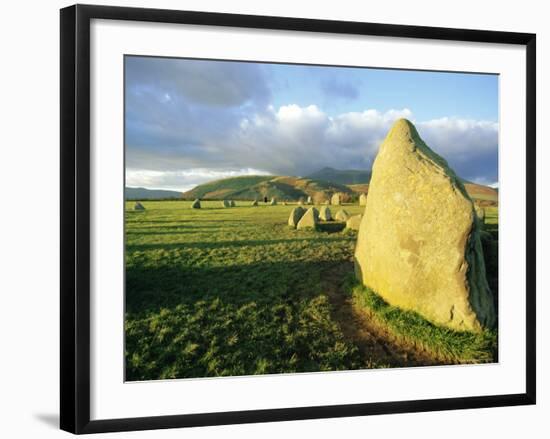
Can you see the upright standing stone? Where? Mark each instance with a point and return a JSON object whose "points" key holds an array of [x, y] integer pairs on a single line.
{"points": [[335, 200], [226, 203], [341, 215], [354, 222], [309, 220], [309, 200], [325, 214], [232, 203], [139, 206], [295, 215], [363, 200], [196, 204], [419, 242], [273, 201], [255, 203]]}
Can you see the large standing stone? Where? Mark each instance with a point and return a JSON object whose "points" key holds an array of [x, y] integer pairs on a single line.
{"points": [[196, 204], [354, 222], [325, 214], [226, 203], [255, 203], [363, 200], [309, 200], [273, 201], [335, 200], [419, 241], [341, 215], [232, 203], [309, 220], [295, 215], [139, 206]]}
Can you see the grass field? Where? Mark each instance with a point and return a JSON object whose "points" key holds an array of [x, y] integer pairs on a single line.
{"points": [[218, 292]]}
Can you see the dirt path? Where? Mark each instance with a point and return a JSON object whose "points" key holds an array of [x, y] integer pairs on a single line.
{"points": [[376, 346]]}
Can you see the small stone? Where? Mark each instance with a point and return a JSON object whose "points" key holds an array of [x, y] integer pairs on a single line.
{"points": [[341, 215], [309, 220], [296, 215], [354, 222]]}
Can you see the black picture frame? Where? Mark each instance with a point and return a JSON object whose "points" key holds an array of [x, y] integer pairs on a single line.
{"points": [[75, 217]]}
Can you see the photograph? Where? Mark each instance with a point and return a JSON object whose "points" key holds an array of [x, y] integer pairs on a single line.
{"points": [[296, 218]]}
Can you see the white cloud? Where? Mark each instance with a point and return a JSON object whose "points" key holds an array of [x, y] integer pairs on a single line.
{"points": [[182, 180], [295, 140], [299, 140], [453, 136]]}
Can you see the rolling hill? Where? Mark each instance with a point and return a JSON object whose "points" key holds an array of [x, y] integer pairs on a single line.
{"points": [[483, 195], [287, 188], [260, 186], [141, 193], [341, 176]]}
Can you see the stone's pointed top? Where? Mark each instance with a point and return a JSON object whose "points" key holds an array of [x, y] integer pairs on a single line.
{"points": [[403, 124], [405, 130], [404, 138]]}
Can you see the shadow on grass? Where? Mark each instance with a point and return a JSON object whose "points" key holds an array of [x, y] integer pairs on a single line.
{"points": [[331, 227], [203, 245], [165, 286]]}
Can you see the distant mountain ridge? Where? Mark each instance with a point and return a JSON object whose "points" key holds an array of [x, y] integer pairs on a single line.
{"points": [[141, 193], [289, 188], [271, 186], [342, 176]]}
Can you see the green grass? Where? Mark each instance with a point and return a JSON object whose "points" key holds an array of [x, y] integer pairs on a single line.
{"points": [[410, 328], [220, 292], [216, 292]]}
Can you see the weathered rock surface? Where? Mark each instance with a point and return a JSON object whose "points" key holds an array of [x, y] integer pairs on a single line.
{"points": [[325, 214], [295, 215], [309, 200], [354, 222], [196, 204], [341, 215], [419, 241], [335, 200], [363, 200], [309, 220], [139, 206]]}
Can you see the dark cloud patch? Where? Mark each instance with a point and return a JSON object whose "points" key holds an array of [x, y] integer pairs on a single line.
{"points": [[214, 83]]}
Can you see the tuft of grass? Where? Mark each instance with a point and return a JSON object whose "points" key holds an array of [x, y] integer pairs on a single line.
{"points": [[410, 328]]}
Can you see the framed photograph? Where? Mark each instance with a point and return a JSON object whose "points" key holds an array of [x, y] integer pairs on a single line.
{"points": [[268, 218]]}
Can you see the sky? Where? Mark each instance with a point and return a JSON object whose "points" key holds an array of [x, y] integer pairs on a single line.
{"points": [[192, 121]]}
